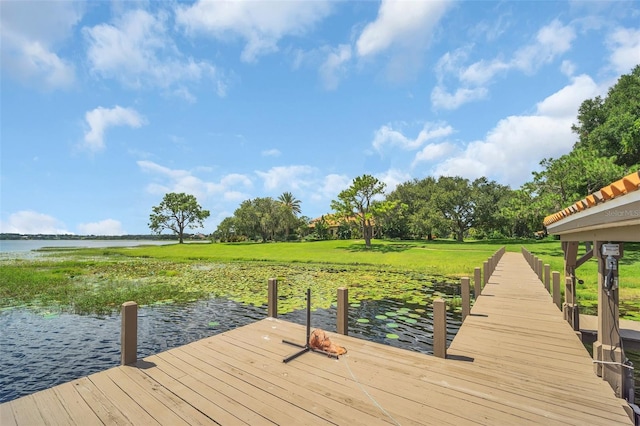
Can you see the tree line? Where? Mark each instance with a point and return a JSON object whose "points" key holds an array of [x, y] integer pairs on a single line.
{"points": [[607, 148]]}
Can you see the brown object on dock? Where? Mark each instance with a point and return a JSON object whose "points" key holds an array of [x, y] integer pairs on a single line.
{"points": [[319, 340]]}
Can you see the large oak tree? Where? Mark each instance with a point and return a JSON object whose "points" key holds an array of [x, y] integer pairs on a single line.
{"points": [[176, 212]]}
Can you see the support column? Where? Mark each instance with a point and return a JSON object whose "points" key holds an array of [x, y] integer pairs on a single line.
{"points": [[570, 249], [607, 348], [440, 328], [477, 283], [466, 299]]}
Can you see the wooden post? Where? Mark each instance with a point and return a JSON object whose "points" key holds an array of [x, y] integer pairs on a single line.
{"points": [[466, 302], [343, 311], [556, 289], [547, 277], [571, 310], [129, 333], [607, 347], [272, 298], [440, 328], [540, 269], [477, 283], [485, 273]]}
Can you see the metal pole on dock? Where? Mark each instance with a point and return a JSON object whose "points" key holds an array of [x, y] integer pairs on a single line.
{"points": [[129, 333]]}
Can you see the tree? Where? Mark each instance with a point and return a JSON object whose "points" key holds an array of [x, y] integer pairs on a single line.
{"points": [[611, 126], [177, 212], [291, 207], [356, 202], [454, 200]]}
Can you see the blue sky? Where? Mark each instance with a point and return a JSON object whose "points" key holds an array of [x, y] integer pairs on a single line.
{"points": [[107, 106]]}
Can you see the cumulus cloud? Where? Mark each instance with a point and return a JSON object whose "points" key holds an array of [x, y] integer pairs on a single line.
{"points": [[30, 222], [271, 153], [402, 24], [388, 136], [433, 151], [30, 38], [176, 180], [137, 50], [103, 227], [393, 178], [550, 42], [624, 44], [330, 186], [100, 119], [259, 24], [287, 177], [515, 146]]}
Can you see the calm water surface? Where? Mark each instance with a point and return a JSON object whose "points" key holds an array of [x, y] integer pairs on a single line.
{"points": [[43, 350]]}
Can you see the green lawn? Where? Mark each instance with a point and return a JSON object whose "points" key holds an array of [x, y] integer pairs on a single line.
{"points": [[99, 280]]}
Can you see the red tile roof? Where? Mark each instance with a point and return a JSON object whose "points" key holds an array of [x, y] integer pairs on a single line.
{"points": [[618, 188]]}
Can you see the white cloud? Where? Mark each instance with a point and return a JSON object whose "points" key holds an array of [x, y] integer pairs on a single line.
{"points": [[393, 178], [286, 177], [104, 227], [515, 146], [624, 44], [334, 67], [271, 153], [100, 119], [433, 151], [330, 186], [403, 24], [137, 50], [176, 180], [440, 98], [551, 41], [261, 24], [30, 37], [30, 222], [387, 136]]}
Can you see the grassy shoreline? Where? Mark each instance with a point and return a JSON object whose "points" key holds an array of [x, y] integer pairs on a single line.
{"points": [[98, 280]]}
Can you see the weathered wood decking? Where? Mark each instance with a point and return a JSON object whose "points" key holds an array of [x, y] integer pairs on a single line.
{"points": [[514, 361]]}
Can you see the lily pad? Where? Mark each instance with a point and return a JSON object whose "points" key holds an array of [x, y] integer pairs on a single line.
{"points": [[381, 317], [355, 305], [392, 325], [214, 324], [413, 316], [363, 320], [392, 336], [411, 321], [390, 314]]}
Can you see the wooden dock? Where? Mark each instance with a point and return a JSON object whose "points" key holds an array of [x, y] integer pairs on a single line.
{"points": [[514, 361]]}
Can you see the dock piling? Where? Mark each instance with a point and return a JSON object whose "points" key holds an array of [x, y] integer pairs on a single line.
{"points": [[440, 328], [129, 333]]}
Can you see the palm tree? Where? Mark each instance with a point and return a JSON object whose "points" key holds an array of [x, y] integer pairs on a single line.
{"points": [[291, 207]]}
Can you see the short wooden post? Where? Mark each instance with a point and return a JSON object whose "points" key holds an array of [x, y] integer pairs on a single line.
{"points": [[547, 277], [343, 311], [440, 328], [556, 290], [129, 333], [466, 302], [477, 283], [485, 273], [540, 269], [571, 310], [272, 299]]}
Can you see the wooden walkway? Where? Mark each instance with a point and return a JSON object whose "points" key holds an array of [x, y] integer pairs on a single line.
{"points": [[514, 361]]}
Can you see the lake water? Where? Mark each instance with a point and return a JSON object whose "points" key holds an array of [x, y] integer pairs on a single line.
{"points": [[43, 350], [25, 246]]}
